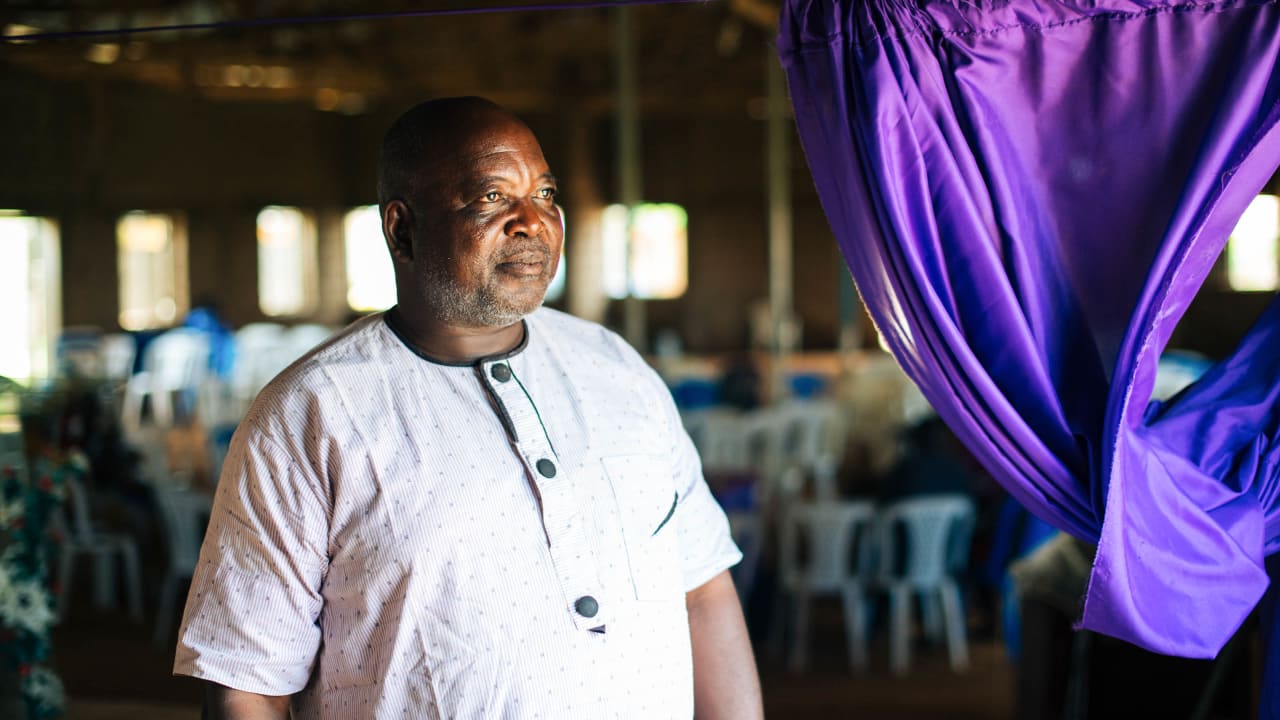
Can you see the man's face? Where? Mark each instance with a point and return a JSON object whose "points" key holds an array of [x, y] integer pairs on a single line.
{"points": [[488, 234]]}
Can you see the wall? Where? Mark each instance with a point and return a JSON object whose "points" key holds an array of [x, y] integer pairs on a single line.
{"points": [[87, 153]]}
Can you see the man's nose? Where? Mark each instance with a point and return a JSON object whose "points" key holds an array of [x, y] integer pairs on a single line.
{"points": [[526, 220]]}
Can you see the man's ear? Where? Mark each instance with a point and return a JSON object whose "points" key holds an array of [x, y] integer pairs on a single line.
{"points": [[397, 229]]}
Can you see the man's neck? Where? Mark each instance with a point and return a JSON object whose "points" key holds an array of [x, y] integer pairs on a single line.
{"points": [[450, 344]]}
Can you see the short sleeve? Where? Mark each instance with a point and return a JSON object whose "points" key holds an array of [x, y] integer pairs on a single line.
{"points": [[251, 616], [706, 542]]}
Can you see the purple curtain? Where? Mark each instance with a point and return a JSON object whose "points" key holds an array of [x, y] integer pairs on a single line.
{"points": [[1029, 193]]}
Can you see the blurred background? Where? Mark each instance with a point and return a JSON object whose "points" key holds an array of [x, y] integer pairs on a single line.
{"points": [[185, 212]]}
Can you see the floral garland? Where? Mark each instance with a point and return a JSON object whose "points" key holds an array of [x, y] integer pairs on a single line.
{"points": [[27, 611]]}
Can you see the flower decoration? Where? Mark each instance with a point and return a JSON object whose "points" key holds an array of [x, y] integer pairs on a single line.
{"points": [[28, 501]]}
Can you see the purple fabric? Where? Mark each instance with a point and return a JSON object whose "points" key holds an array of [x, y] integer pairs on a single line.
{"points": [[1029, 193]]}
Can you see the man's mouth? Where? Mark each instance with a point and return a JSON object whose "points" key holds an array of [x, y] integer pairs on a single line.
{"points": [[524, 264]]}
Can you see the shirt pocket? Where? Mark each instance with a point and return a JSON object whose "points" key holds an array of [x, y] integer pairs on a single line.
{"points": [[647, 502]]}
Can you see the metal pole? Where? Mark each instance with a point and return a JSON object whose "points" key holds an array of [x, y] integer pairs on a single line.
{"points": [[778, 189], [629, 171]]}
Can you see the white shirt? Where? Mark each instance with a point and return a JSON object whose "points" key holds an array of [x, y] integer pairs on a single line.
{"points": [[396, 537]]}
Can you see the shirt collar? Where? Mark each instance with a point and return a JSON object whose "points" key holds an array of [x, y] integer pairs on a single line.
{"points": [[389, 318]]}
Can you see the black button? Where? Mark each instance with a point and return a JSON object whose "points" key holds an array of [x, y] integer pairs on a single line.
{"points": [[548, 470], [586, 606], [500, 372]]}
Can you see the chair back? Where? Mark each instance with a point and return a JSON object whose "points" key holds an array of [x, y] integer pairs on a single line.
{"points": [[717, 433], [924, 539], [78, 352], [261, 353], [303, 338], [835, 537], [119, 350], [80, 517], [812, 441], [177, 359], [182, 511]]}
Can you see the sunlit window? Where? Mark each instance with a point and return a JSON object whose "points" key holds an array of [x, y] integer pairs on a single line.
{"points": [[371, 278], [286, 261], [658, 251], [556, 289], [29, 294], [1253, 252], [152, 261]]}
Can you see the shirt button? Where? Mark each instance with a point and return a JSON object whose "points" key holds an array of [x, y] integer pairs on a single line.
{"points": [[586, 606], [500, 372], [547, 469]]}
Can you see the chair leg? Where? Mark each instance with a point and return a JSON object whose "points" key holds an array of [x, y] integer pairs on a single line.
{"points": [[855, 625], [931, 615], [800, 641], [66, 564], [953, 616], [899, 630], [133, 579], [104, 589], [162, 408]]}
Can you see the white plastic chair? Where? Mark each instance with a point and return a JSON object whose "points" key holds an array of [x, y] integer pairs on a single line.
{"points": [[717, 433], [836, 535], [922, 543], [182, 515], [82, 538], [303, 338], [175, 361], [79, 351], [261, 353], [812, 442], [219, 411], [119, 350]]}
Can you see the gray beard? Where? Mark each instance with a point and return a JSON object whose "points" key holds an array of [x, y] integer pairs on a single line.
{"points": [[481, 308]]}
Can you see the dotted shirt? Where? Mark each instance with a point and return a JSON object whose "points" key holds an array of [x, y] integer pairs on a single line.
{"points": [[513, 538]]}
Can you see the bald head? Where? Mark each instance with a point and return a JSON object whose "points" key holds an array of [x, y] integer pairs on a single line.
{"points": [[426, 133], [469, 214]]}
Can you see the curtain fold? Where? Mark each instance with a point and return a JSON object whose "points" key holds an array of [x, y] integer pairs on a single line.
{"points": [[1029, 194]]}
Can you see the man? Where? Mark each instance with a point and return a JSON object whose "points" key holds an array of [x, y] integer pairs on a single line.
{"points": [[467, 507]]}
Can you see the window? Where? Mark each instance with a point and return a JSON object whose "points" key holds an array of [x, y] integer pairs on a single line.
{"points": [[152, 262], [29, 293], [1253, 251], [556, 289], [286, 261], [658, 251], [371, 279]]}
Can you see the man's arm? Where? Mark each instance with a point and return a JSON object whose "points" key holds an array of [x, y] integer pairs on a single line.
{"points": [[725, 683], [225, 703]]}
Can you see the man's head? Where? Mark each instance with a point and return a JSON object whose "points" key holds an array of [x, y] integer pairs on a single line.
{"points": [[469, 214]]}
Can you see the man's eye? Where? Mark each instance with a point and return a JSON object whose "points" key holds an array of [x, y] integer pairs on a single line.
{"points": [[492, 196], [547, 193]]}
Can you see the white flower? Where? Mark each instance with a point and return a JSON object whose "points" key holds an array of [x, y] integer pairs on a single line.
{"points": [[43, 686], [23, 604]]}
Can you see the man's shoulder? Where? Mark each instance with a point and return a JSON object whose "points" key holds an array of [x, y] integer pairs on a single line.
{"points": [[582, 336], [351, 352]]}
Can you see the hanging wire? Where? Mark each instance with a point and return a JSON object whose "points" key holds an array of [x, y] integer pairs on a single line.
{"points": [[315, 19]]}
